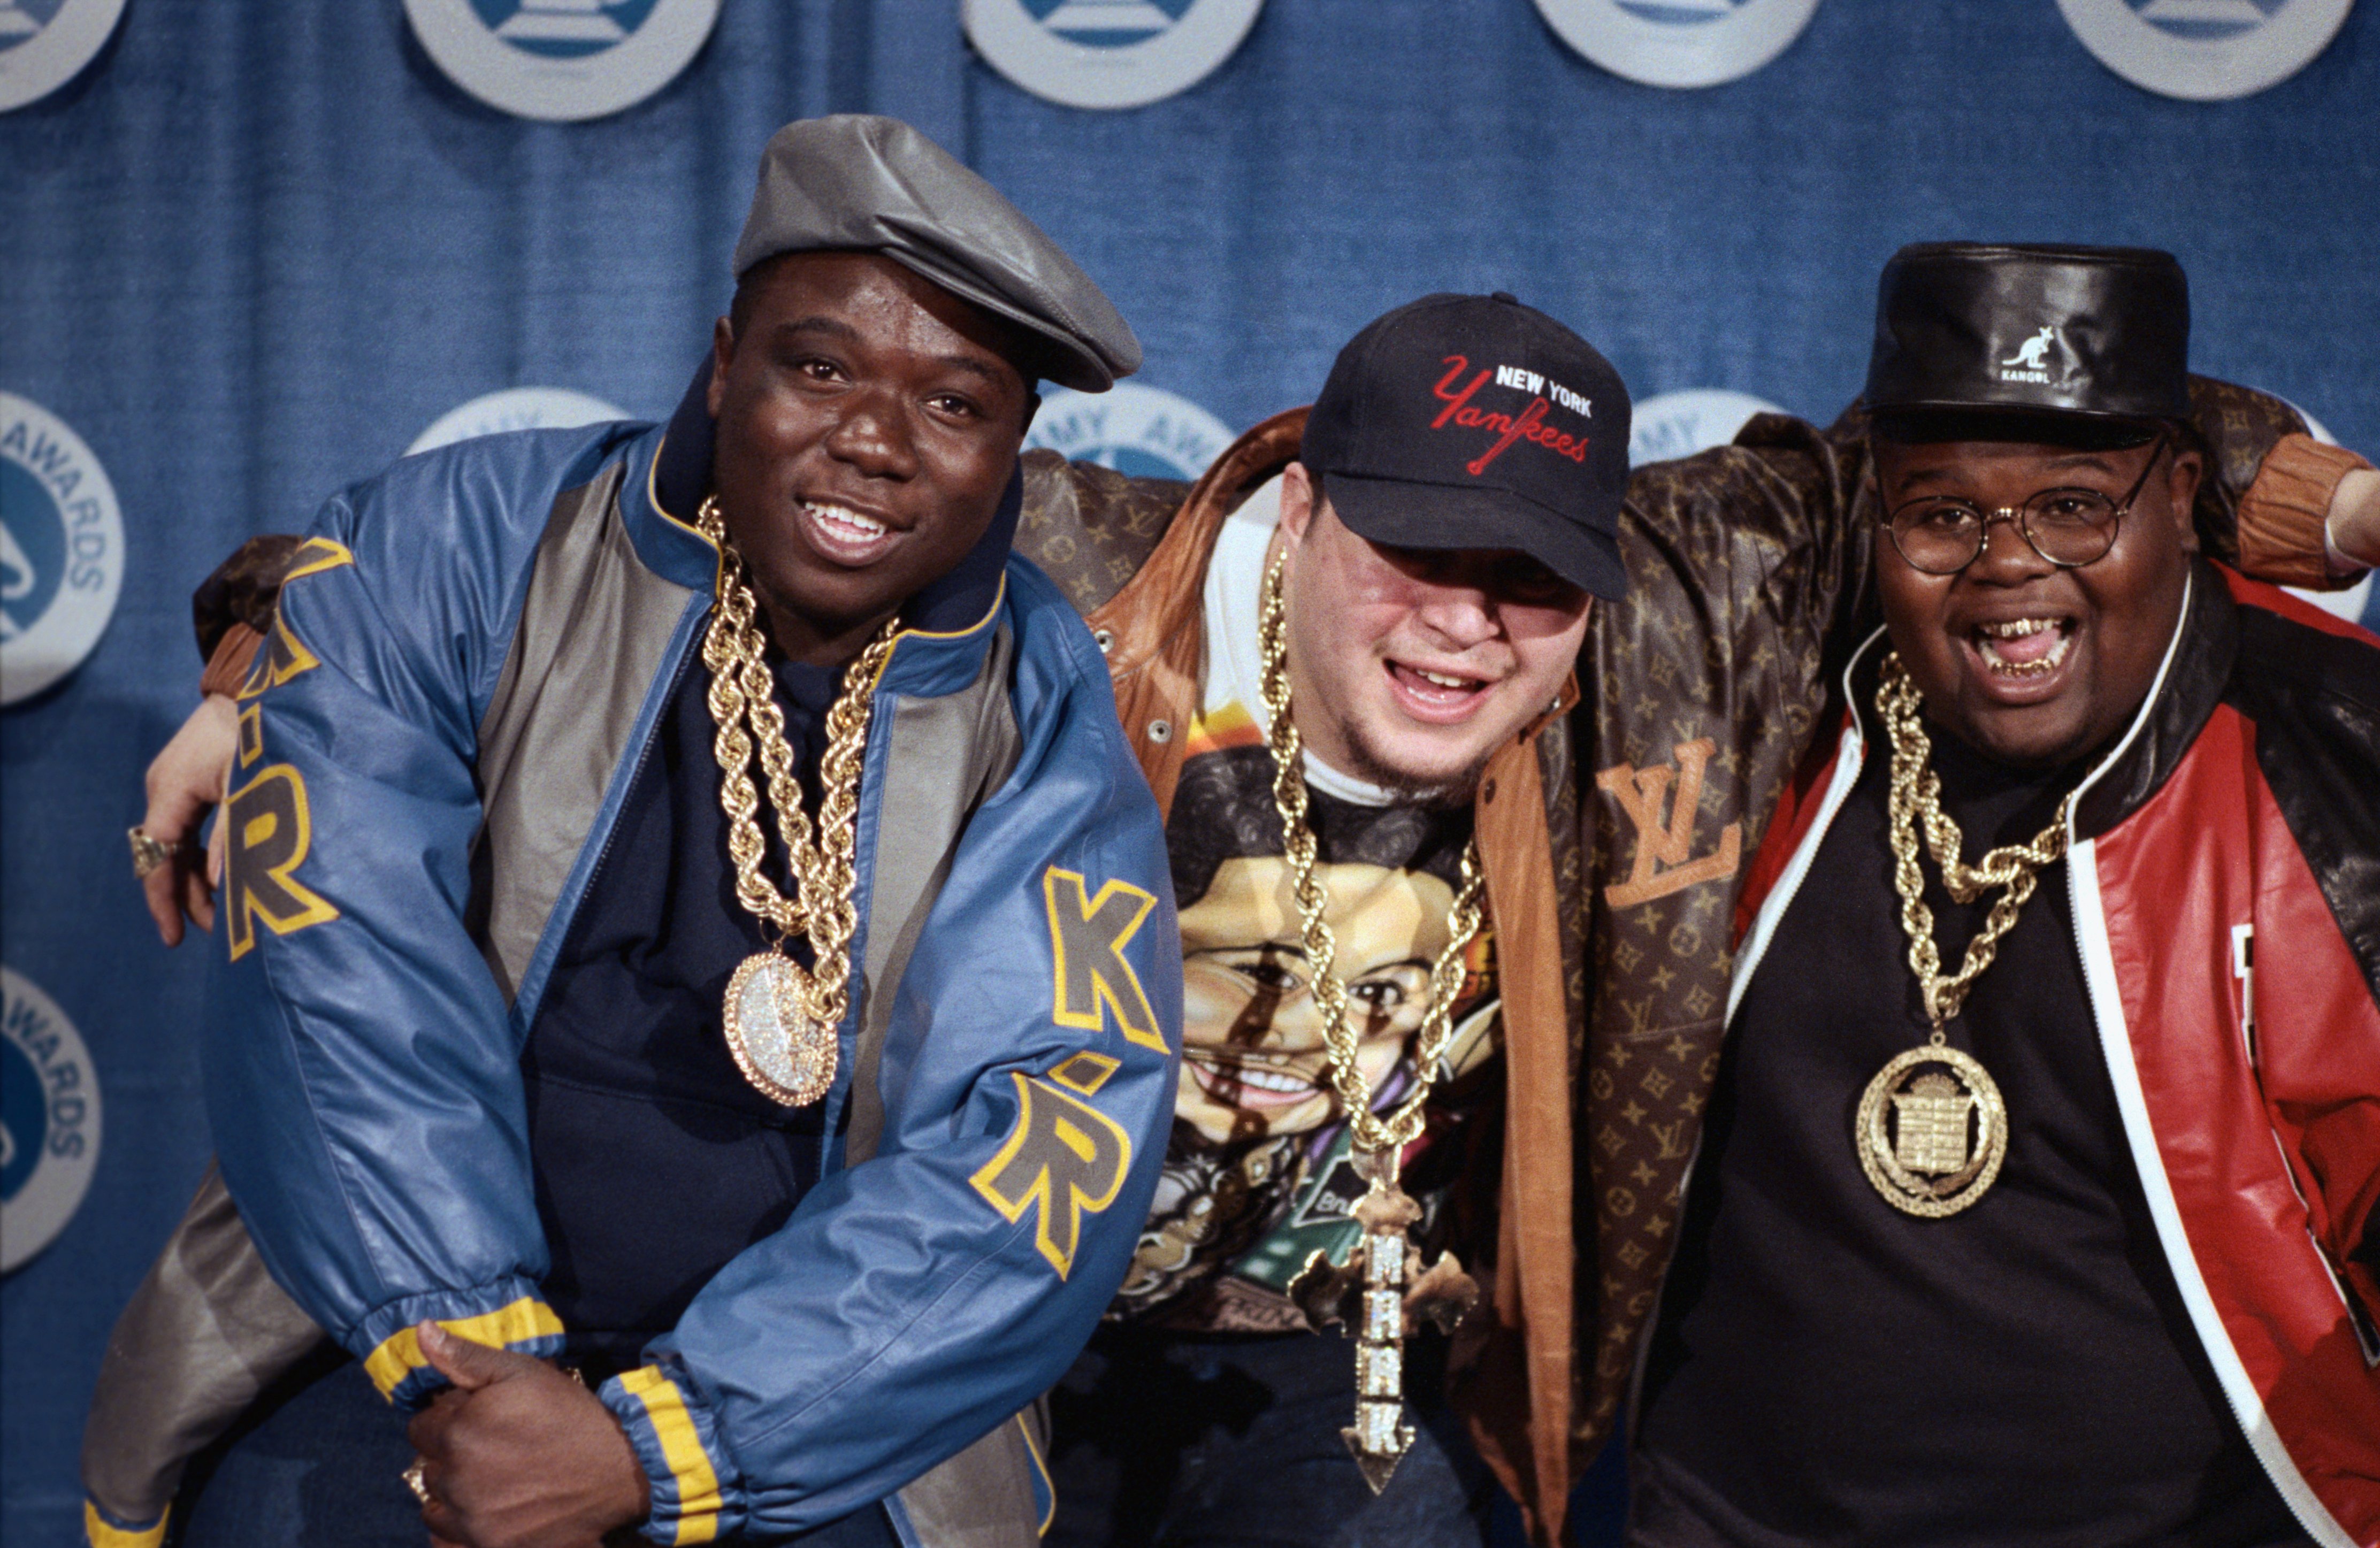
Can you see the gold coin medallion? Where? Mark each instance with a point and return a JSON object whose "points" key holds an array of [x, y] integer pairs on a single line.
{"points": [[1932, 1131], [784, 1049]]}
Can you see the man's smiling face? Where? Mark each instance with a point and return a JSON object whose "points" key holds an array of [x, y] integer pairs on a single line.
{"points": [[868, 424], [1410, 666], [2033, 664]]}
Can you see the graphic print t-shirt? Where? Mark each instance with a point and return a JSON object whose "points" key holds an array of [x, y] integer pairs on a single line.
{"points": [[1258, 1174]]}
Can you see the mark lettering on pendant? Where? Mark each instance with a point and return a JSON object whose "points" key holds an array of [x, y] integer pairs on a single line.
{"points": [[270, 831], [1064, 1158], [1665, 861], [1092, 977]]}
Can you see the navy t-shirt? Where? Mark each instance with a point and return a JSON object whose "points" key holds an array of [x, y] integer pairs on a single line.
{"points": [[1827, 1369], [656, 1161]]}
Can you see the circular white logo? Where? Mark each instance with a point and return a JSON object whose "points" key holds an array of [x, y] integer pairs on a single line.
{"points": [[49, 1119], [61, 548], [1679, 424], [45, 43], [1143, 431], [1107, 53], [1679, 43], [562, 59], [514, 408], [2205, 50]]}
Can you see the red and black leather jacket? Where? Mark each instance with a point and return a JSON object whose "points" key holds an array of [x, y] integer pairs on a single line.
{"points": [[2224, 863]]}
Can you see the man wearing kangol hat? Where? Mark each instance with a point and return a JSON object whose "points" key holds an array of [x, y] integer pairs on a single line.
{"points": [[2036, 1201], [703, 996]]}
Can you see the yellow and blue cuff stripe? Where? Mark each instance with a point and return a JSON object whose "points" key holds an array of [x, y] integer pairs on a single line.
{"points": [[695, 1494], [396, 1365], [104, 1529]]}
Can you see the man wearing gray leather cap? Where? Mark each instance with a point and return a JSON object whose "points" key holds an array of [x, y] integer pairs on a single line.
{"points": [[666, 1179]]}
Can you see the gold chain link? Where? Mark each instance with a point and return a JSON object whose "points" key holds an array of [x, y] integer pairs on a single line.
{"points": [[1403, 1126], [742, 693], [1915, 798]]}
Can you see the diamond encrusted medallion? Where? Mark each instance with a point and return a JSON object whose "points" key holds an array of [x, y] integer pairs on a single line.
{"points": [[787, 1053]]}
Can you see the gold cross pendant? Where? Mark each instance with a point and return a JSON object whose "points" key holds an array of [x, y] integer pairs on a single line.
{"points": [[1396, 1294]]}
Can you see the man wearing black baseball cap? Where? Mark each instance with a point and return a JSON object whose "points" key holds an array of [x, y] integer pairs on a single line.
{"points": [[1337, 663], [2037, 1200]]}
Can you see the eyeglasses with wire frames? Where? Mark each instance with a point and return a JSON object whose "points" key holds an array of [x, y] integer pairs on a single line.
{"points": [[2069, 527]]}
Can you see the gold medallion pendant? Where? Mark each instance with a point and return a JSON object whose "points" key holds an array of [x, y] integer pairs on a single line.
{"points": [[785, 1051], [783, 1023], [1381, 1275], [1932, 1131]]}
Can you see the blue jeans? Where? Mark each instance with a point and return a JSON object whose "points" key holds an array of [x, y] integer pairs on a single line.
{"points": [[1165, 1440], [316, 1464]]}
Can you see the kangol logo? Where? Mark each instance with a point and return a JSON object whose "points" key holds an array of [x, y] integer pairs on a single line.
{"points": [[514, 408], [2030, 361], [562, 59], [61, 548], [45, 43], [1107, 53], [1679, 43], [2205, 50], [1143, 431], [49, 1119]]}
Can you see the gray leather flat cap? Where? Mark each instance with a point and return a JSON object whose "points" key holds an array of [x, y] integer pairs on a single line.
{"points": [[856, 181]]}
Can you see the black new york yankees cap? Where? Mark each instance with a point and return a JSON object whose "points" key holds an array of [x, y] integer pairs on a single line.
{"points": [[1476, 422]]}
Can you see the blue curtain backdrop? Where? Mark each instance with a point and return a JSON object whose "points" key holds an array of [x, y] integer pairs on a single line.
{"points": [[254, 248]]}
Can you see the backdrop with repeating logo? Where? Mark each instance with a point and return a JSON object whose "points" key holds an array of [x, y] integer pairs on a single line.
{"points": [[253, 251]]}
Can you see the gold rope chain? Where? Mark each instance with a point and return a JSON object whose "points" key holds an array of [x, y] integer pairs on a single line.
{"points": [[1917, 797], [742, 692], [1403, 1126]]}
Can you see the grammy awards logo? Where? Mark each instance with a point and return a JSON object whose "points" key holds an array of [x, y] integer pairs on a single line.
{"points": [[1679, 43], [514, 408], [45, 43], [1145, 432], [49, 1119], [562, 59], [1107, 53], [61, 548], [2205, 50], [1695, 419]]}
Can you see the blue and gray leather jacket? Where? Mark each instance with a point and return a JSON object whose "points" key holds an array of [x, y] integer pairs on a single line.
{"points": [[471, 657]]}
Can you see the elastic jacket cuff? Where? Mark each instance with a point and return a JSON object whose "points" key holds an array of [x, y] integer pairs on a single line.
{"points": [[696, 1492], [508, 1314], [103, 1530], [2285, 516]]}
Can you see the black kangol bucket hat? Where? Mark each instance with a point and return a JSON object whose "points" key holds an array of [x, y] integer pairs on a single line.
{"points": [[1968, 326]]}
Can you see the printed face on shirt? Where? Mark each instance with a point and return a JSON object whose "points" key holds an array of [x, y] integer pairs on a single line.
{"points": [[1254, 1063], [1409, 667], [2027, 662], [868, 424]]}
